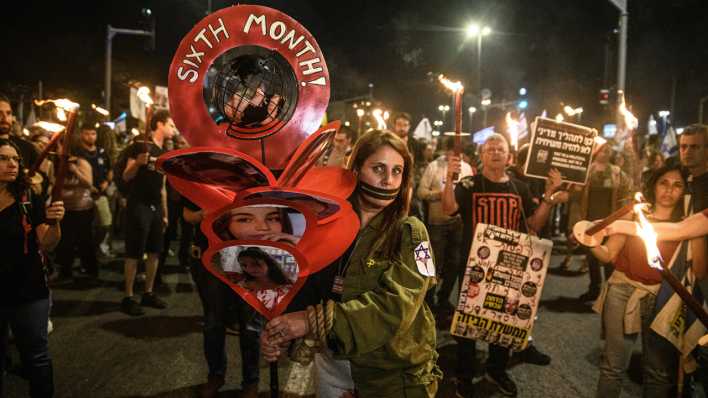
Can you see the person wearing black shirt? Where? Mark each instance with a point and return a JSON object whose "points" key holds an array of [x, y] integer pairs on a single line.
{"points": [[27, 230], [102, 169], [220, 305], [146, 212], [493, 197]]}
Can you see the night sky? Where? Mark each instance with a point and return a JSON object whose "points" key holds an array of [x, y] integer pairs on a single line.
{"points": [[556, 49]]}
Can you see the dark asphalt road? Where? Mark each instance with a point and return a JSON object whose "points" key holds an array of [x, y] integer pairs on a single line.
{"points": [[100, 352]]}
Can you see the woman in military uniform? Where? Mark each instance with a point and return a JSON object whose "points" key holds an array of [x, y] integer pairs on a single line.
{"points": [[375, 317]]}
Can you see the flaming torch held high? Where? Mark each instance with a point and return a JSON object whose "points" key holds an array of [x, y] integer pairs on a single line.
{"points": [[66, 112], [629, 124], [378, 115], [512, 128], [56, 130], [648, 235], [456, 88], [144, 96], [630, 121]]}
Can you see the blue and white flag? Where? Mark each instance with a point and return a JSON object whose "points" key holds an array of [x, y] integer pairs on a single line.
{"points": [[669, 146]]}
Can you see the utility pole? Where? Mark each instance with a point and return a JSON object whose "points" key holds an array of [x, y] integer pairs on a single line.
{"points": [[622, 52], [701, 104], [111, 32]]}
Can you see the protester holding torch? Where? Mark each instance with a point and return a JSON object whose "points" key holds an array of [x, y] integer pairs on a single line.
{"points": [[627, 302], [27, 229]]}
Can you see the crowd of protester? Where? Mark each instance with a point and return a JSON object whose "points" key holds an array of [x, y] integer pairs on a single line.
{"points": [[112, 189]]}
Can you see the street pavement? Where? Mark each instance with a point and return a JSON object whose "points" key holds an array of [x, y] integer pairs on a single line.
{"points": [[100, 352]]}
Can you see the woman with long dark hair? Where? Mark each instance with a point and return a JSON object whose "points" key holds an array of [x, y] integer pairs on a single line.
{"points": [[374, 322], [263, 276], [257, 222], [27, 229], [628, 299]]}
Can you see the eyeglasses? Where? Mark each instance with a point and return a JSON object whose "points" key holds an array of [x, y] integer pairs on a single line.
{"points": [[6, 158]]}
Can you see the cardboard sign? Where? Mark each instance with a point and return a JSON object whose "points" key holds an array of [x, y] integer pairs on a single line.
{"points": [[283, 221], [502, 286], [565, 146]]}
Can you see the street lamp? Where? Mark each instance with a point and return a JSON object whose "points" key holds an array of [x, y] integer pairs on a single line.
{"points": [[478, 31], [359, 113], [471, 111], [444, 109]]}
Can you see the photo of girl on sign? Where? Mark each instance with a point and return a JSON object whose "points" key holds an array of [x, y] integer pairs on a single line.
{"points": [[267, 272], [261, 222]]}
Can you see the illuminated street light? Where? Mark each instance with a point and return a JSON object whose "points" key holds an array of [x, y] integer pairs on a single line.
{"points": [[559, 117], [472, 30], [471, 110], [522, 91], [486, 102], [444, 109], [359, 113], [475, 30]]}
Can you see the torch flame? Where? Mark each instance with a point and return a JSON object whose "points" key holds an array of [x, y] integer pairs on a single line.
{"points": [[630, 121], [647, 233], [61, 115], [63, 105], [144, 95], [450, 85], [100, 110], [380, 121], [51, 127], [512, 127]]}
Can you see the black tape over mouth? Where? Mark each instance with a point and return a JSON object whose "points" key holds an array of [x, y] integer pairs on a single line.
{"points": [[378, 193]]}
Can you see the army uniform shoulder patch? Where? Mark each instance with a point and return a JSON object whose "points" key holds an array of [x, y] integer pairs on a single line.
{"points": [[424, 259]]}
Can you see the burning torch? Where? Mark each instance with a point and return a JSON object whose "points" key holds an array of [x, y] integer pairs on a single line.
{"points": [[648, 235], [66, 112], [144, 96], [457, 89]]}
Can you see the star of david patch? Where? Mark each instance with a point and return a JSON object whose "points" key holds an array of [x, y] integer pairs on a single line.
{"points": [[424, 259]]}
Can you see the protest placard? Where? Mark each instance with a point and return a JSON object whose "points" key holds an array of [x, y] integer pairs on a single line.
{"points": [[565, 146], [502, 286]]}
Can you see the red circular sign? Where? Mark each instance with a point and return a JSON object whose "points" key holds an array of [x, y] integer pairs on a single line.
{"points": [[285, 55]]}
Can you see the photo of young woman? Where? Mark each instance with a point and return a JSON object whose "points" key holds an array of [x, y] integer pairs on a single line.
{"points": [[263, 276], [261, 222]]}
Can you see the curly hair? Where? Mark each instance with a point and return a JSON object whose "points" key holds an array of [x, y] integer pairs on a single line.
{"points": [[20, 185]]}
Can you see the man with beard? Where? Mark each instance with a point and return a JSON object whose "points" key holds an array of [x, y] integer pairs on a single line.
{"points": [[102, 175], [28, 152]]}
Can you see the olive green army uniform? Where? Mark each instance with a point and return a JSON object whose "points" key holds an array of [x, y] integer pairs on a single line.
{"points": [[382, 325]]}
